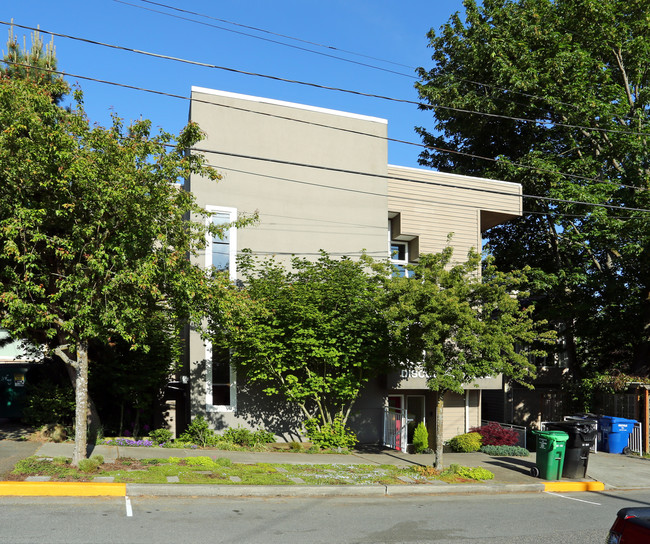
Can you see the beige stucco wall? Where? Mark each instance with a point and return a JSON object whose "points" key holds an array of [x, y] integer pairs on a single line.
{"points": [[321, 185], [305, 189]]}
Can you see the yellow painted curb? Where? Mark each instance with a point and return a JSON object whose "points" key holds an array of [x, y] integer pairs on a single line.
{"points": [[567, 487], [62, 489]]}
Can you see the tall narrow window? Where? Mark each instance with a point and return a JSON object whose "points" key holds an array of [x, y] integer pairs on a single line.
{"points": [[221, 245], [220, 253], [221, 250], [221, 378]]}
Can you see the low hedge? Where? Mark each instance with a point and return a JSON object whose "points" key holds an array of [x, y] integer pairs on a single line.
{"points": [[510, 451]]}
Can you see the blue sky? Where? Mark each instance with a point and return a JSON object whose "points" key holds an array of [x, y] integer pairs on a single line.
{"points": [[384, 29]]}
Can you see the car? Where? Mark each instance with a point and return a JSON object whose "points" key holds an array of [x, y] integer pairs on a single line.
{"points": [[632, 526]]}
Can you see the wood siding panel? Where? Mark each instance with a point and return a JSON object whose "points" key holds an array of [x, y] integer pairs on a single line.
{"points": [[453, 422], [433, 204]]}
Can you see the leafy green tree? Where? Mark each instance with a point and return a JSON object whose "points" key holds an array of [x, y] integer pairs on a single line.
{"points": [[127, 385], [93, 230], [313, 333], [562, 91], [460, 326]]}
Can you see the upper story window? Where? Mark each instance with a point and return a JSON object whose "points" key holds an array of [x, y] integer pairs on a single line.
{"points": [[222, 250], [403, 247], [399, 257]]}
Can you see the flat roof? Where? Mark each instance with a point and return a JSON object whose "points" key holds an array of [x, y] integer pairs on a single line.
{"points": [[263, 100], [429, 172]]}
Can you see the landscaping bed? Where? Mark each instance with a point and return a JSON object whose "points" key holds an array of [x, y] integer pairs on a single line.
{"points": [[207, 470]]}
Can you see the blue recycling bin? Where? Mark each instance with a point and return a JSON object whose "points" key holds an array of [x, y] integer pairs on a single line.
{"points": [[614, 433]]}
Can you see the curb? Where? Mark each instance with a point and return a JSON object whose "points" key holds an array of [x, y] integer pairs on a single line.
{"points": [[92, 489], [571, 487], [61, 489]]}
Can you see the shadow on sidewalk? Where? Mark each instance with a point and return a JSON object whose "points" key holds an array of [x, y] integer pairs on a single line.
{"points": [[515, 464]]}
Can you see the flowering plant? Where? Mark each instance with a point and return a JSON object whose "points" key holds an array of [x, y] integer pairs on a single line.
{"points": [[128, 442]]}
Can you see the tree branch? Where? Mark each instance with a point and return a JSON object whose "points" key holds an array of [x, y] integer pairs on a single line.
{"points": [[60, 351], [619, 60]]}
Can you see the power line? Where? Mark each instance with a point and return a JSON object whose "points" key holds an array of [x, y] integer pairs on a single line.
{"points": [[277, 34], [342, 129], [366, 174], [257, 37], [422, 182], [500, 99], [331, 47], [330, 88], [359, 191]]}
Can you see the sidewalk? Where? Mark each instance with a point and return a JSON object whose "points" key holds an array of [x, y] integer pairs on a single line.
{"points": [[512, 474]]}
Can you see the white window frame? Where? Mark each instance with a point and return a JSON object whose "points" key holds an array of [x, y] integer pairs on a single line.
{"points": [[396, 261], [232, 237], [209, 406], [400, 262], [232, 253]]}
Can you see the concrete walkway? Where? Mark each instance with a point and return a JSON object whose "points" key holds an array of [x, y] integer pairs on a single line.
{"points": [[512, 474], [12, 451]]}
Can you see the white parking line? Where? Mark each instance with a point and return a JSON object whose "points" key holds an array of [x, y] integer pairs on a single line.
{"points": [[572, 498], [129, 510]]}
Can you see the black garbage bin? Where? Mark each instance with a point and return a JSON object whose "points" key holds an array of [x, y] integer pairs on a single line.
{"points": [[581, 436]]}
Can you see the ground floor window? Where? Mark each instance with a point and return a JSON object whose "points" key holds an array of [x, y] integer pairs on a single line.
{"points": [[221, 381]]}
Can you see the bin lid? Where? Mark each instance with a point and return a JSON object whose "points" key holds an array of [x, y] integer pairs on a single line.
{"points": [[573, 425], [614, 419], [558, 436]]}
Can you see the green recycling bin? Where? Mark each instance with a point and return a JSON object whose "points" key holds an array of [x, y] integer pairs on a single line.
{"points": [[551, 449]]}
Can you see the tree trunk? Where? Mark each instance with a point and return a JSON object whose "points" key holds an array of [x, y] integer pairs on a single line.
{"points": [[439, 407], [93, 421], [81, 401]]}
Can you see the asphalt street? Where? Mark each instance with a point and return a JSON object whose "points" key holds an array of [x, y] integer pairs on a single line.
{"points": [[531, 518]]}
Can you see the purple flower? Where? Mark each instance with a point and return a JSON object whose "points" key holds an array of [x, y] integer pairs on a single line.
{"points": [[129, 442]]}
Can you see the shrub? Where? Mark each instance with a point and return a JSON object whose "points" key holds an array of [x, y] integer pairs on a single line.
{"points": [[98, 458], [331, 436], [510, 451], [262, 436], [495, 435], [466, 443], [201, 461], [151, 462], [471, 473], [247, 438], [426, 471], [61, 460], [161, 436], [420, 438], [92, 464], [48, 403], [54, 432], [199, 432]]}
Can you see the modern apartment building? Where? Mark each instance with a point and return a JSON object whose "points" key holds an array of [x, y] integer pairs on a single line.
{"points": [[319, 180]]}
